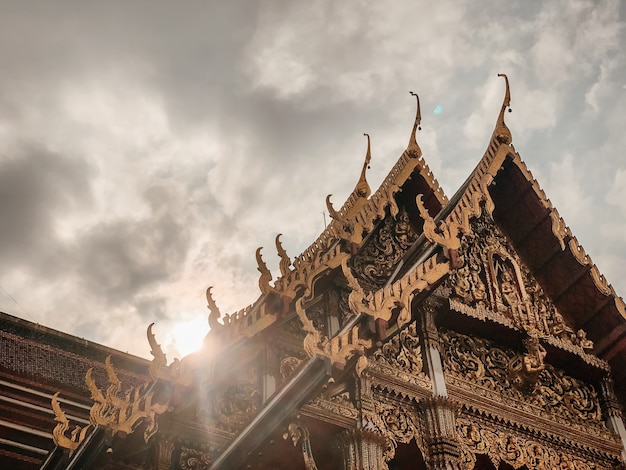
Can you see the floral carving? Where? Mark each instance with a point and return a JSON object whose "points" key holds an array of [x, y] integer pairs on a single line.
{"points": [[300, 434], [502, 445], [288, 366], [233, 406], [377, 260], [520, 381], [192, 459], [401, 357], [494, 278], [339, 404]]}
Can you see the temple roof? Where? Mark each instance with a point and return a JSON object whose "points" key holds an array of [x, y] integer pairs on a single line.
{"points": [[502, 184], [500, 188]]}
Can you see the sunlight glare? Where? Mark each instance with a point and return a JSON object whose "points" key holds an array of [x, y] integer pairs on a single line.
{"points": [[186, 337]]}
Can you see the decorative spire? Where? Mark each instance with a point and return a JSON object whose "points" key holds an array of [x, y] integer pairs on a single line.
{"points": [[502, 132], [413, 149], [285, 262], [160, 360], [362, 188], [266, 276], [331, 210], [215, 312]]}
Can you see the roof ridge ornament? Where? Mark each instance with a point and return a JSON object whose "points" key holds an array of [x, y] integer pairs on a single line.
{"points": [[502, 132], [215, 314], [362, 187], [285, 262], [360, 192], [413, 149], [266, 275]]}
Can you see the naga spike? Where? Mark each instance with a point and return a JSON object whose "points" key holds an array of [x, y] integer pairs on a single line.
{"points": [[160, 360], [266, 276], [331, 210], [215, 314], [285, 262]]}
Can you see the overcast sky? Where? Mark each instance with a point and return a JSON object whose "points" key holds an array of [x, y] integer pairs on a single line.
{"points": [[148, 148]]}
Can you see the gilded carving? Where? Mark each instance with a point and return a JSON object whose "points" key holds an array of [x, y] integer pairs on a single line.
{"points": [[401, 357], [115, 409], [444, 234], [121, 411], [192, 459], [502, 445], [360, 301], [159, 360], [288, 367], [233, 406], [215, 314], [320, 255], [524, 370], [60, 432], [494, 278], [522, 380], [285, 262], [339, 349], [339, 404], [365, 450], [413, 149], [266, 276], [393, 423], [502, 132], [300, 434], [380, 255]]}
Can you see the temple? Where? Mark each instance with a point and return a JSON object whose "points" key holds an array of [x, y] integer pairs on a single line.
{"points": [[416, 332]]}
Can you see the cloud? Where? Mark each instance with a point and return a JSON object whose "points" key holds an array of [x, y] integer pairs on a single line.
{"points": [[38, 190], [617, 192], [147, 152]]}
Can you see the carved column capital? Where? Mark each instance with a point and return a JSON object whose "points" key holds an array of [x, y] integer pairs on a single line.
{"points": [[366, 450], [438, 417], [164, 448], [609, 401], [428, 312]]}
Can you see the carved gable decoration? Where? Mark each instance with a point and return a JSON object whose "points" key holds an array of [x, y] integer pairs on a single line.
{"points": [[234, 403], [477, 364], [401, 357], [381, 253], [493, 280]]}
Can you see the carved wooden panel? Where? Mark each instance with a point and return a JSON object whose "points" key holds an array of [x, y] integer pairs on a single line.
{"points": [[478, 365], [378, 258], [518, 449], [494, 278], [401, 358]]}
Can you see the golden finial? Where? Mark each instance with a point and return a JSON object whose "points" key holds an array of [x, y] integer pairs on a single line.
{"points": [[159, 359], [215, 312], [331, 210], [413, 148], [285, 262], [502, 132], [266, 276], [362, 188]]}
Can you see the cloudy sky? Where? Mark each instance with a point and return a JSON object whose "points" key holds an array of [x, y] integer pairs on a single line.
{"points": [[148, 148]]}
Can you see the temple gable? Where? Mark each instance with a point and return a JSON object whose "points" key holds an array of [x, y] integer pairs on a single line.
{"points": [[494, 282]]}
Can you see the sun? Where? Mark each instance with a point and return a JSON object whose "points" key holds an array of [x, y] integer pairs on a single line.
{"points": [[186, 337]]}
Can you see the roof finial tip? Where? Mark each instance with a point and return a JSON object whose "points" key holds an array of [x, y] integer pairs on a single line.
{"points": [[418, 115], [413, 148], [502, 132], [507, 95]]}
